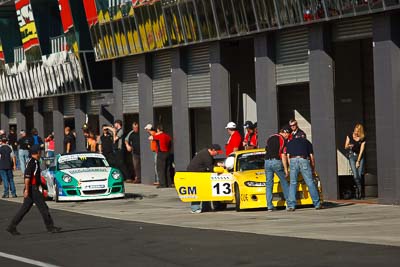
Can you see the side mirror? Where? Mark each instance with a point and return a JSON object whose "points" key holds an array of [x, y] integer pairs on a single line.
{"points": [[219, 170]]}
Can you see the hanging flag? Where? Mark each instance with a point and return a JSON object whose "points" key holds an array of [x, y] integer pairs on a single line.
{"points": [[27, 28], [1, 53]]}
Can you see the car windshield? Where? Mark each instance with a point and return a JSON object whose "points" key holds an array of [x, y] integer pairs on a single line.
{"points": [[250, 161], [81, 162]]}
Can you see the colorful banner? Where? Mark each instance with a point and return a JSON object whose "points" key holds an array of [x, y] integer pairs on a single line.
{"points": [[66, 15], [26, 23], [91, 12], [1, 52]]}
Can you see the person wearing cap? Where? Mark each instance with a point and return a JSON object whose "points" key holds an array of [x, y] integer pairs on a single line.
{"points": [[301, 160], [203, 161], [7, 165], [235, 139], [23, 153], [296, 131], [276, 162], [153, 147], [32, 195], [250, 139]]}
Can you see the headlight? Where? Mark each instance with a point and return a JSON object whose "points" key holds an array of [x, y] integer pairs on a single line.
{"points": [[116, 175], [66, 178], [254, 184]]}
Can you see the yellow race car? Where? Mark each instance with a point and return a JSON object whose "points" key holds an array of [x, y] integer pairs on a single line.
{"points": [[241, 182]]}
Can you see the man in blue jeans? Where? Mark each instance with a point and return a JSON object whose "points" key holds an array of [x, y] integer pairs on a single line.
{"points": [[276, 162], [301, 159], [7, 165]]}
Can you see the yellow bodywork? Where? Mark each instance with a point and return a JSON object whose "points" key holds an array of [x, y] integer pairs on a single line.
{"points": [[230, 187]]}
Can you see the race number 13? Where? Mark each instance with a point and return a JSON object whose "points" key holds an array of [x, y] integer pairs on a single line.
{"points": [[221, 189]]}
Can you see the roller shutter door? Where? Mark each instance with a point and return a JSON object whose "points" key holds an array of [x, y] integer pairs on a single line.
{"points": [[162, 88], [12, 113], [198, 77], [292, 56], [92, 109], [352, 29], [48, 104], [130, 86], [69, 105]]}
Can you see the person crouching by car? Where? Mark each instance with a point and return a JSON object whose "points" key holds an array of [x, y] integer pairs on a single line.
{"points": [[32, 195], [203, 161]]}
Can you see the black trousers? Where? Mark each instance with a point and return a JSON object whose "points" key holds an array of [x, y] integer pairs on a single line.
{"points": [[119, 163], [34, 197], [163, 168]]}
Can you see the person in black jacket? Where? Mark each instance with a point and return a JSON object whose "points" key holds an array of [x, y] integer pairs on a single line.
{"points": [[35, 139], [203, 161], [32, 195]]}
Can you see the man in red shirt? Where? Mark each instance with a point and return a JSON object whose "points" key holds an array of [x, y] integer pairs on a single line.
{"points": [[163, 150], [235, 139]]}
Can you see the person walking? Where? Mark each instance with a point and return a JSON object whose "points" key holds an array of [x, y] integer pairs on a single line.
{"points": [[296, 131], [106, 143], [23, 153], [69, 141], [153, 147], [276, 162], [203, 161], [163, 151], [355, 144], [301, 160], [132, 143], [32, 195], [234, 142], [7, 165]]}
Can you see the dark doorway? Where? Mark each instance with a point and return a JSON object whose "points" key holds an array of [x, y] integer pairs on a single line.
{"points": [[29, 118], [354, 103], [200, 129], [163, 116]]}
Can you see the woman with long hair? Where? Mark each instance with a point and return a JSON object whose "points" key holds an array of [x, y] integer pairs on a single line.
{"points": [[355, 144]]}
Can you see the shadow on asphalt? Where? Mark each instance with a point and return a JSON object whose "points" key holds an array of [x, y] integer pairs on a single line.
{"points": [[139, 196]]}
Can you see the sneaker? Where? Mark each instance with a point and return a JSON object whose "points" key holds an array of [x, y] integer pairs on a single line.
{"points": [[12, 230], [54, 229], [14, 196], [271, 210], [195, 211], [290, 209], [5, 196]]}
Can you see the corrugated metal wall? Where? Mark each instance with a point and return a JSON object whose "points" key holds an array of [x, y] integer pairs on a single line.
{"points": [[130, 86], [12, 113], [69, 105], [292, 56], [162, 88], [48, 104], [92, 109], [352, 29], [198, 77]]}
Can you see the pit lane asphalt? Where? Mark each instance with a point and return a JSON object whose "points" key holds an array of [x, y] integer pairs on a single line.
{"points": [[94, 241]]}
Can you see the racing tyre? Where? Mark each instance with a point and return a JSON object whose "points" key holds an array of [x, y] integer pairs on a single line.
{"points": [[219, 206], [237, 198]]}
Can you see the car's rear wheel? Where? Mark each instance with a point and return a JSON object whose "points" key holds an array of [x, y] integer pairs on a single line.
{"points": [[237, 198]]}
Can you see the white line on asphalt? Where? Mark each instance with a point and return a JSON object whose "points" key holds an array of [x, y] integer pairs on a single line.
{"points": [[26, 260]]}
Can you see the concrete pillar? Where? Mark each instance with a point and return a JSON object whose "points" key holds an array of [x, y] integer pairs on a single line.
{"points": [[322, 105], [146, 116], [386, 49], [80, 119], [180, 112], [266, 89], [58, 125], [3, 116], [117, 107], [220, 96], [21, 120], [38, 119]]}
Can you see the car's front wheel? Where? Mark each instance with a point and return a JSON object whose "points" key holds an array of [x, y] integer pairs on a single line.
{"points": [[237, 198]]}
